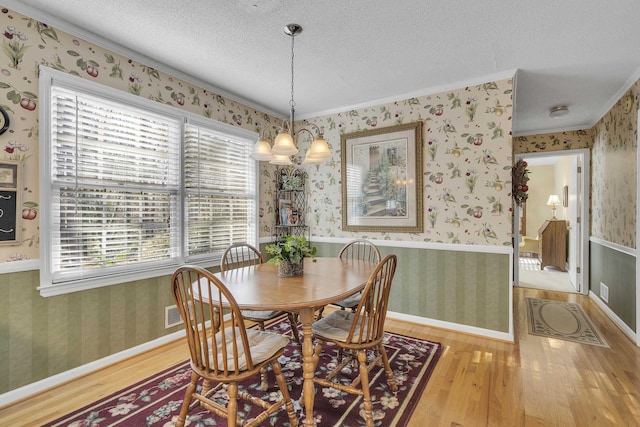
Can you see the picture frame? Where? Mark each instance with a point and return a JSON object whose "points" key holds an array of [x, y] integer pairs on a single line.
{"points": [[10, 203], [382, 179], [8, 174], [565, 196]]}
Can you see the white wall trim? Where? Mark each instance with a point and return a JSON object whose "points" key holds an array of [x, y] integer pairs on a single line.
{"points": [[421, 245], [614, 317], [614, 246], [465, 329], [58, 379], [19, 266]]}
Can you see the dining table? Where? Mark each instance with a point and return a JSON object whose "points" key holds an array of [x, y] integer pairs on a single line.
{"points": [[325, 280]]}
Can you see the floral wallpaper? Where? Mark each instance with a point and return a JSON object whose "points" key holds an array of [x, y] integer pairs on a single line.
{"points": [[467, 139], [27, 43], [614, 170], [570, 140], [467, 166]]}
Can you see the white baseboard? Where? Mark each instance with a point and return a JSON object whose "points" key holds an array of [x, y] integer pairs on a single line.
{"points": [[456, 327], [55, 380], [614, 317]]}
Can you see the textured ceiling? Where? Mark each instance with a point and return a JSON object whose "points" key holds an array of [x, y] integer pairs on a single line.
{"points": [[581, 53]]}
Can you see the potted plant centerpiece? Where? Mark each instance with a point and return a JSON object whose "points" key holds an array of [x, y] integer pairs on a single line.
{"points": [[289, 253]]}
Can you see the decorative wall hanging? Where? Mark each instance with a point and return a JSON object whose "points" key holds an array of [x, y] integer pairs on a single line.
{"points": [[519, 179], [10, 202], [382, 179]]}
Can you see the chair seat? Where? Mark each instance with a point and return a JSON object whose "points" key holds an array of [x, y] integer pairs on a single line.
{"points": [[336, 326], [350, 302], [262, 345], [260, 315]]}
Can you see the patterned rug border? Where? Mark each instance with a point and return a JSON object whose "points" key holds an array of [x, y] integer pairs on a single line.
{"points": [[587, 332], [400, 419]]}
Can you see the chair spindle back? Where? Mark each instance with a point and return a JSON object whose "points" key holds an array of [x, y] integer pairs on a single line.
{"points": [[240, 255], [360, 249], [368, 323], [201, 298]]}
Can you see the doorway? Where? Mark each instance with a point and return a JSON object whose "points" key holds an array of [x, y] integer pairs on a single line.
{"points": [[563, 174]]}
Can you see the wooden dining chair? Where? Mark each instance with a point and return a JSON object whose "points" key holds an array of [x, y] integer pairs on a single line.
{"points": [[243, 255], [358, 332], [360, 249], [224, 355]]}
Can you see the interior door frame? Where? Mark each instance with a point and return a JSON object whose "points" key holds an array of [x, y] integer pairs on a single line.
{"points": [[637, 240], [584, 162]]}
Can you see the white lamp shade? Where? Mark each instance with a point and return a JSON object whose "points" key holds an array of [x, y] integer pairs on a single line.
{"points": [[262, 150], [319, 150], [284, 145], [279, 159], [308, 159], [553, 200]]}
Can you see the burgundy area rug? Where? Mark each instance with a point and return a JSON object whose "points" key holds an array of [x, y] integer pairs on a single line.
{"points": [[156, 400]]}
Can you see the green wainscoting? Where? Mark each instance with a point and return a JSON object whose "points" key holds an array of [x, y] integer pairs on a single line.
{"points": [[618, 271], [468, 288], [41, 337]]}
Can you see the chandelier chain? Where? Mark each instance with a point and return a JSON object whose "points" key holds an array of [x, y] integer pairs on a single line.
{"points": [[292, 103]]}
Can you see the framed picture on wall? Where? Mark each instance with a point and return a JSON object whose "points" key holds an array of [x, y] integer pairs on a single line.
{"points": [[10, 202], [382, 179], [565, 196]]}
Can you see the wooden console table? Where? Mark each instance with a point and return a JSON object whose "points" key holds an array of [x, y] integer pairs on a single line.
{"points": [[553, 244]]}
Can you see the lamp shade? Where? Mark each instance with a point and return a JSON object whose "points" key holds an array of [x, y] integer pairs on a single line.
{"points": [[262, 150], [553, 200], [308, 159], [284, 145], [319, 149], [279, 159]]}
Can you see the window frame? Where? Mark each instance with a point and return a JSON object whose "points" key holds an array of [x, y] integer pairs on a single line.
{"points": [[50, 287]]}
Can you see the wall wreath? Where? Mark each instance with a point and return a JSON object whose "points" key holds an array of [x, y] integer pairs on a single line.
{"points": [[519, 179]]}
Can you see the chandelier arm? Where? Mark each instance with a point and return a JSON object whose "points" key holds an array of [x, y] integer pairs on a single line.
{"points": [[317, 129], [305, 130]]}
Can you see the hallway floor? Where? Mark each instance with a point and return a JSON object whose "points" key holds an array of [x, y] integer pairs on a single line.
{"points": [[550, 278]]}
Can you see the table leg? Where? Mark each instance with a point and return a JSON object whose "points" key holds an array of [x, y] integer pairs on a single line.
{"points": [[308, 364]]}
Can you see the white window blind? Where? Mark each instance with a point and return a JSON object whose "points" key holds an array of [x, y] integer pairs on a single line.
{"points": [[129, 191], [220, 187], [115, 185]]}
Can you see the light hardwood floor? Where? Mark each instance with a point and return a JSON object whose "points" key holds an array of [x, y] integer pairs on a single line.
{"points": [[477, 382]]}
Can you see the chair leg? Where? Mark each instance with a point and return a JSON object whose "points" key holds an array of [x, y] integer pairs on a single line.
{"points": [[282, 384], [387, 368], [188, 397], [264, 383], [294, 328], [206, 386], [232, 407], [364, 382]]}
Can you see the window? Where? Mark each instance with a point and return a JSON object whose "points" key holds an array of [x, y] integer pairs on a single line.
{"points": [[221, 200], [131, 188]]}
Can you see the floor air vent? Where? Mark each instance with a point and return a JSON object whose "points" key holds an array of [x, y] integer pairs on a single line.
{"points": [[171, 316]]}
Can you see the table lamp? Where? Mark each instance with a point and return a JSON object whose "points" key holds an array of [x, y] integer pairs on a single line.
{"points": [[553, 201]]}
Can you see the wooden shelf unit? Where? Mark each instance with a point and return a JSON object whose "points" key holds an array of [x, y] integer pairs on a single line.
{"points": [[290, 205]]}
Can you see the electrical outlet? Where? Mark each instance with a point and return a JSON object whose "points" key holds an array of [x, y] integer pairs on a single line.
{"points": [[604, 292]]}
